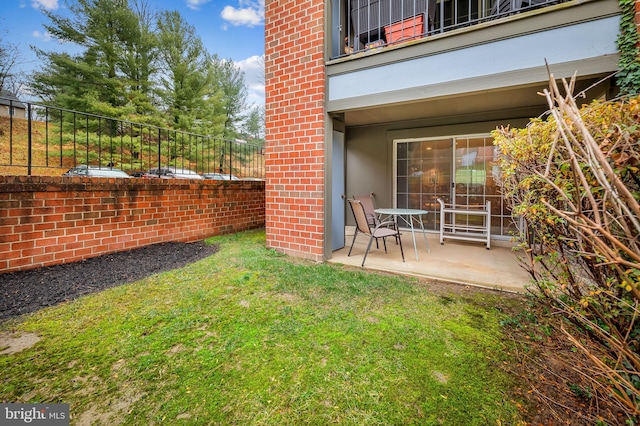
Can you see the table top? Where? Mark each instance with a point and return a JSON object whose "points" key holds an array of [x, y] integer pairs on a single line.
{"points": [[401, 211]]}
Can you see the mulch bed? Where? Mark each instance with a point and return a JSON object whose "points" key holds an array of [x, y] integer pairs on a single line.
{"points": [[27, 291]]}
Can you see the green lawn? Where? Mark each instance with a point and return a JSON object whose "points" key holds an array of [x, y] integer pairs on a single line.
{"points": [[249, 336]]}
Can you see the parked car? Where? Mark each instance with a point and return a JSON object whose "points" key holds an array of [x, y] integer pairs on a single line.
{"points": [[185, 174], [162, 172], [171, 173], [220, 176], [94, 171], [137, 174]]}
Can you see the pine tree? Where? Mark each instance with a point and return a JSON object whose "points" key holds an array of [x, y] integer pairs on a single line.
{"points": [[103, 78], [185, 64], [230, 80], [139, 66], [253, 126]]}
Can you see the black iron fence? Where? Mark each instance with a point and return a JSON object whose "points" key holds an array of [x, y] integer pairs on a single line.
{"points": [[361, 25], [43, 140]]}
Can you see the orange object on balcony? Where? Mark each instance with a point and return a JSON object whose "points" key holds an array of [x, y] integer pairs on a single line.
{"points": [[407, 29]]}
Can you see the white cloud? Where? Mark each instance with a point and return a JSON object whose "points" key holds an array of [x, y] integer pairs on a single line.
{"points": [[253, 68], [45, 4], [250, 13], [42, 36], [195, 4]]}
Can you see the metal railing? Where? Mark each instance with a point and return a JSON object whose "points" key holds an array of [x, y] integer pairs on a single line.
{"points": [[368, 24], [51, 140]]}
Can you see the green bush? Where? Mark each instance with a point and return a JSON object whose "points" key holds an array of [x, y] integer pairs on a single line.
{"points": [[573, 179]]}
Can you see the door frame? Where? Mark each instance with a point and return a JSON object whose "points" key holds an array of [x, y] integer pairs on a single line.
{"points": [[338, 187], [452, 183]]}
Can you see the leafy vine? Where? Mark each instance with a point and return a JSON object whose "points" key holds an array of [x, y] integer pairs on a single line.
{"points": [[628, 78]]}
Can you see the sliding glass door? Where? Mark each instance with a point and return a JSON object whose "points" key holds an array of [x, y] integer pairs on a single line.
{"points": [[423, 174], [460, 170]]}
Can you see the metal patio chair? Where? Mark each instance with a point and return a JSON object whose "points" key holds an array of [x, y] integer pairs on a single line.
{"points": [[381, 230], [369, 211]]}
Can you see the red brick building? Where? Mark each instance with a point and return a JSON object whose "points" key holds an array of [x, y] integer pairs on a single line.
{"points": [[295, 86], [399, 97]]}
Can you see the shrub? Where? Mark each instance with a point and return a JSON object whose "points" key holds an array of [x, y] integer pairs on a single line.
{"points": [[573, 179]]}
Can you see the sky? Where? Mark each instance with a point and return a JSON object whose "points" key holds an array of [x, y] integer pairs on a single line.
{"points": [[231, 29]]}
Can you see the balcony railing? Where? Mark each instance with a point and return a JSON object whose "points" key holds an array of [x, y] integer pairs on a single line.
{"points": [[50, 140], [370, 24]]}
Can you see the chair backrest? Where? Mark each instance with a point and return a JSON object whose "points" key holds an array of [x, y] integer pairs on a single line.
{"points": [[360, 216], [369, 209]]}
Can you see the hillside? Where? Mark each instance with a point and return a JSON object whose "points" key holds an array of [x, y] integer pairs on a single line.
{"points": [[46, 154]]}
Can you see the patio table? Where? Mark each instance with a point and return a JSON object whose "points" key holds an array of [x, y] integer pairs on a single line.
{"points": [[408, 216]]}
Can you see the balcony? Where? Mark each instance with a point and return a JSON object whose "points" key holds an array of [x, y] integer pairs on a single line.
{"points": [[364, 25]]}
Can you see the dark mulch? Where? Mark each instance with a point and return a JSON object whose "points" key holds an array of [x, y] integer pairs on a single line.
{"points": [[27, 291]]}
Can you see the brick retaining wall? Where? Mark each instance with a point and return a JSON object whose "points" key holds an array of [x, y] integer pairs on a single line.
{"points": [[47, 220]]}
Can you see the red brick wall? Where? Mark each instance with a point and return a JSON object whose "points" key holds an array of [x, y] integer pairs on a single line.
{"points": [[638, 15], [51, 220], [295, 87]]}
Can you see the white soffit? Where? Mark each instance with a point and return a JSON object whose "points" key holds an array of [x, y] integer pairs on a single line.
{"points": [[560, 45]]}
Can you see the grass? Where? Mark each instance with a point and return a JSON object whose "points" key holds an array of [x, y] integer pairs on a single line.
{"points": [[249, 336]]}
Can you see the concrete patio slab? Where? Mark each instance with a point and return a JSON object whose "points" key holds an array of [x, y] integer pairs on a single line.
{"points": [[468, 263]]}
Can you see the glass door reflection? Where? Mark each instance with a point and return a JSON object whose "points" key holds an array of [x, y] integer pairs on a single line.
{"points": [[459, 170], [424, 174]]}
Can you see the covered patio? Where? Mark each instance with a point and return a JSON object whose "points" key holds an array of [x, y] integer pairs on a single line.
{"points": [[466, 263]]}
